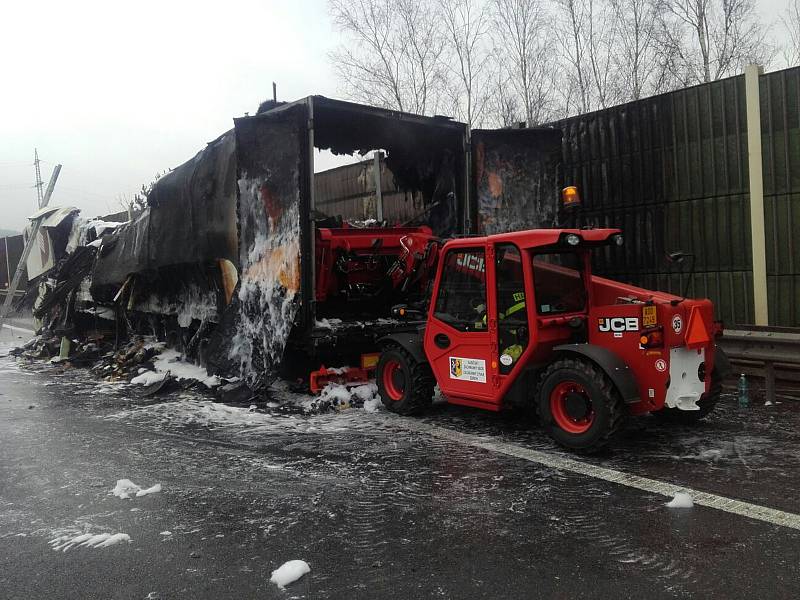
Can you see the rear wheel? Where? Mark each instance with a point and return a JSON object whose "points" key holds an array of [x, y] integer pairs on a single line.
{"points": [[405, 385], [578, 405]]}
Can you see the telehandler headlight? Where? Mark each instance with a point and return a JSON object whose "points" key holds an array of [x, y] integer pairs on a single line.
{"points": [[572, 239], [618, 239]]}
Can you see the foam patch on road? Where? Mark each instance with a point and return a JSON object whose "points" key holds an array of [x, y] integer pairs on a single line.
{"points": [[171, 361], [338, 396], [125, 488], [189, 411], [289, 572], [151, 490], [88, 540], [148, 378], [681, 500]]}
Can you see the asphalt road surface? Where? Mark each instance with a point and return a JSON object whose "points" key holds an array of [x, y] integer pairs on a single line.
{"points": [[458, 504]]}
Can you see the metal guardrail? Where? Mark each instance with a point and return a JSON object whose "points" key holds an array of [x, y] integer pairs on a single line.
{"points": [[771, 346], [17, 295]]}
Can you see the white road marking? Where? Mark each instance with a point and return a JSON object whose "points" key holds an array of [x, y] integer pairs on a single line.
{"points": [[20, 329], [730, 505]]}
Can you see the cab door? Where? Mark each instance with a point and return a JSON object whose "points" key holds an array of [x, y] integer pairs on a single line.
{"points": [[511, 299], [458, 341]]}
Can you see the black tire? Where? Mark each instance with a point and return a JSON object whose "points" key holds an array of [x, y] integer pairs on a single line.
{"points": [[707, 402], [578, 405], [404, 384]]}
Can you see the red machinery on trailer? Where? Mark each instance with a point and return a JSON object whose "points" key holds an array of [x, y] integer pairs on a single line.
{"points": [[368, 268], [518, 320]]}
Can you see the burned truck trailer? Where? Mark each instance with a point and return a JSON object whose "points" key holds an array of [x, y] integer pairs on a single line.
{"points": [[233, 261]]}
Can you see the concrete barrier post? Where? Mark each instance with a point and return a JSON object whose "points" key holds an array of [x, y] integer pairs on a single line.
{"points": [[754, 158]]}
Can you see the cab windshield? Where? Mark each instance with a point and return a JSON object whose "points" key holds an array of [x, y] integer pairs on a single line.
{"points": [[559, 283]]}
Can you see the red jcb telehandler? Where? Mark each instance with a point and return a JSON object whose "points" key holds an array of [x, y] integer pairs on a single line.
{"points": [[518, 320]]}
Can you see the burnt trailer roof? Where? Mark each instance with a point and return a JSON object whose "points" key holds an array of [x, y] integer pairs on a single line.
{"points": [[364, 121], [425, 154]]}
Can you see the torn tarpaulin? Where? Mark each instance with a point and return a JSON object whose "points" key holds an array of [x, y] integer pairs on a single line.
{"points": [[190, 218], [55, 224]]}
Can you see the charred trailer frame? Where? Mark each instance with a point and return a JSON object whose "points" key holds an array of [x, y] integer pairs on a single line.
{"points": [[230, 236]]}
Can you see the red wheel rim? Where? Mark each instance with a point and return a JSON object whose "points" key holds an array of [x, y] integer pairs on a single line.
{"points": [[394, 381], [563, 400]]}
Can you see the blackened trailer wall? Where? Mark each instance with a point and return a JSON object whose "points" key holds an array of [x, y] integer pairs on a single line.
{"points": [[672, 171]]}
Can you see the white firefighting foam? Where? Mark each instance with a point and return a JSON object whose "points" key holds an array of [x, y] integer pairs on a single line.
{"points": [[89, 540], [192, 303], [289, 572], [82, 226], [269, 282]]}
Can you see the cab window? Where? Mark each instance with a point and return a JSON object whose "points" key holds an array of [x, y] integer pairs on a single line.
{"points": [[558, 283], [461, 301]]}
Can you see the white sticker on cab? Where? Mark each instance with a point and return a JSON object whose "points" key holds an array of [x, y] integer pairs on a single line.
{"points": [[468, 369]]}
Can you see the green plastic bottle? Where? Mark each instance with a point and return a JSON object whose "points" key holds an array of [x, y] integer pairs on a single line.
{"points": [[743, 392]]}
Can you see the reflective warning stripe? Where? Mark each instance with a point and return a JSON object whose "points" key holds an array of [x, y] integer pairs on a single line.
{"points": [[514, 309]]}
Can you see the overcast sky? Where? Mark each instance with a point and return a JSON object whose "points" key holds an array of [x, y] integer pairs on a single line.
{"points": [[119, 91]]}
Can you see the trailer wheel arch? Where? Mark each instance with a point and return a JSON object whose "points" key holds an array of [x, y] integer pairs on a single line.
{"points": [[620, 373]]}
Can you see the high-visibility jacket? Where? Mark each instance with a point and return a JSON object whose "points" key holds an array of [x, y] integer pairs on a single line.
{"points": [[519, 299]]}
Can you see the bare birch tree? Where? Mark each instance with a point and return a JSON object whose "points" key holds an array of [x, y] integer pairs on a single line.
{"points": [[715, 38], [466, 24], [573, 17], [504, 108], [602, 46], [392, 54], [639, 61], [587, 31], [791, 23], [524, 50]]}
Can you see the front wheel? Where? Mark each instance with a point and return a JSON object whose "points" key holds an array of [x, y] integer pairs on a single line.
{"points": [[578, 405], [404, 384]]}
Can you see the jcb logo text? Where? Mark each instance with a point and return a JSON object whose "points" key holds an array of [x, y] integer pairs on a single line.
{"points": [[618, 324]]}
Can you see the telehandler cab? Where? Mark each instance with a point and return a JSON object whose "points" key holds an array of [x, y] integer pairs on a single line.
{"points": [[518, 320]]}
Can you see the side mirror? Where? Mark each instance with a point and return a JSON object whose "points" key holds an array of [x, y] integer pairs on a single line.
{"points": [[403, 311], [677, 257]]}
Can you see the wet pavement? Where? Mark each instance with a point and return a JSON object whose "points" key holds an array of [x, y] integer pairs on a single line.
{"points": [[376, 506]]}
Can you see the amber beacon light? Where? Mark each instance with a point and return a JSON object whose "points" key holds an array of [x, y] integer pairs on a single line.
{"points": [[570, 197]]}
